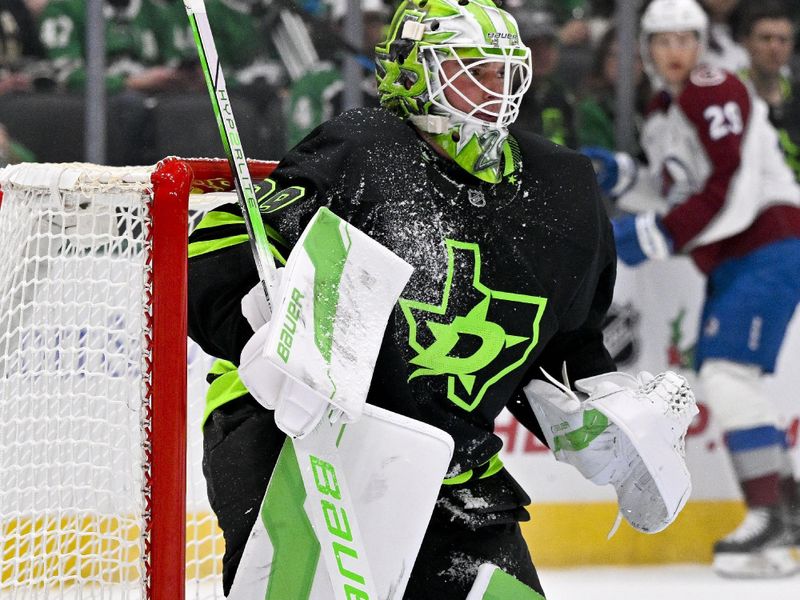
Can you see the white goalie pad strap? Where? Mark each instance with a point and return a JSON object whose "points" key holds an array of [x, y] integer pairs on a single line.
{"points": [[627, 432]]}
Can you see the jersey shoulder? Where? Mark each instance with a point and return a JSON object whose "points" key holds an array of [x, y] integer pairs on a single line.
{"points": [[543, 157], [710, 86], [535, 145], [366, 127], [561, 174], [354, 136]]}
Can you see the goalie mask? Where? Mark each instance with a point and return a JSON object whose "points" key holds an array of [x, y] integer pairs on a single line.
{"points": [[437, 49]]}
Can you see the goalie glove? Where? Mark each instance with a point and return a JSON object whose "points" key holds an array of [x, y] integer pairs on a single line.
{"points": [[318, 352], [298, 409], [625, 431]]}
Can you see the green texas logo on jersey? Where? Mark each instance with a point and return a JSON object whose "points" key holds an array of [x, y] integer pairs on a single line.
{"points": [[472, 350]]}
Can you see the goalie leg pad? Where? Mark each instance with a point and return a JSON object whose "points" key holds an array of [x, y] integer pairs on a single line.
{"points": [[393, 466], [627, 432]]}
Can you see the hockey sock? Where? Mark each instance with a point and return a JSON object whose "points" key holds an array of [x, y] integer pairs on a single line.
{"points": [[757, 455]]}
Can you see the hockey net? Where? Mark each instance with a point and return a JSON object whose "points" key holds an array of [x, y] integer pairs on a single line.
{"points": [[101, 488]]}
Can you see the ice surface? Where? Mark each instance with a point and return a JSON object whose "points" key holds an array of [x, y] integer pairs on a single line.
{"points": [[668, 582]]}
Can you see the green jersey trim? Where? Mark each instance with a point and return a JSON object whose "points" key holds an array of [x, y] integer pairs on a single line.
{"points": [[503, 586], [226, 387], [487, 469], [200, 248], [217, 218], [509, 156]]}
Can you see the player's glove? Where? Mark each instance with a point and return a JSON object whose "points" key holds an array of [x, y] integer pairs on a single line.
{"points": [[616, 171], [640, 237], [625, 431]]}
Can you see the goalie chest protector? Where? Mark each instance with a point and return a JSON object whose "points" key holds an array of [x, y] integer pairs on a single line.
{"points": [[506, 276]]}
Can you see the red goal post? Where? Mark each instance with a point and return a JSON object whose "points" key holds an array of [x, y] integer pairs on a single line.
{"points": [[93, 379]]}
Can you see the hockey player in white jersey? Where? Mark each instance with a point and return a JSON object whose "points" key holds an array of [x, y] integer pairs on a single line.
{"points": [[731, 203]]}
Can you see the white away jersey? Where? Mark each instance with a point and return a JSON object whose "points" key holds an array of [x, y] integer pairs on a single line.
{"points": [[715, 158]]}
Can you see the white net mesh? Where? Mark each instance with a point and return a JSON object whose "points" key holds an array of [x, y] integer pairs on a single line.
{"points": [[74, 267]]}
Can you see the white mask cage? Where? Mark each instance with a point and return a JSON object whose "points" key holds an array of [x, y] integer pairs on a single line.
{"points": [[500, 104]]}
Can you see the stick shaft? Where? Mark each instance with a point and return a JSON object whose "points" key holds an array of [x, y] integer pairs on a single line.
{"points": [[245, 192]]}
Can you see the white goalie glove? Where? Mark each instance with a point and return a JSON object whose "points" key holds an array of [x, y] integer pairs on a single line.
{"points": [[297, 408], [625, 431]]}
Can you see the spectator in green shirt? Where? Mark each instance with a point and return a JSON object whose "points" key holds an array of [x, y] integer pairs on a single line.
{"points": [[20, 60], [138, 45], [317, 95]]}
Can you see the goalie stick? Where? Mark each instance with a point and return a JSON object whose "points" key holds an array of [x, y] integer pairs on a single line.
{"points": [[323, 442], [229, 133]]}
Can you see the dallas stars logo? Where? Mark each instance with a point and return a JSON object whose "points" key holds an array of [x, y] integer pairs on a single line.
{"points": [[473, 350]]}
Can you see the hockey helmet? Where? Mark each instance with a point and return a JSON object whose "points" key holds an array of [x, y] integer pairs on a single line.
{"points": [[423, 35], [671, 15]]}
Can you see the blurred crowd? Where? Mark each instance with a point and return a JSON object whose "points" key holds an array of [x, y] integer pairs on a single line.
{"points": [[283, 63]]}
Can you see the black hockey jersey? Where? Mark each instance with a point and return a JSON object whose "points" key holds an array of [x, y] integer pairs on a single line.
{"points": [[507, 278]]}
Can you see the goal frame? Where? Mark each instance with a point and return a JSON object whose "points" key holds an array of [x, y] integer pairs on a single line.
{"points": [[164, 412], [173, 181]]}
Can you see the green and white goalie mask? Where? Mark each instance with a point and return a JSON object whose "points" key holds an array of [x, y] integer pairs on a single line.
{"points": [[458, 71]]}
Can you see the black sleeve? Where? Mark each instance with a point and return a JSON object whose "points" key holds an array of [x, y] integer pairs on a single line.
{"points": [[217, 283], [304, 180], [581, 348]]}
